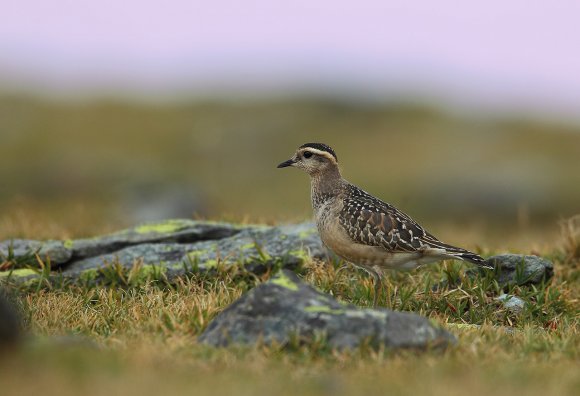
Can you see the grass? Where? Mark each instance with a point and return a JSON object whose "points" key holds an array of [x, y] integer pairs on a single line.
{"points": [[141, 338]]}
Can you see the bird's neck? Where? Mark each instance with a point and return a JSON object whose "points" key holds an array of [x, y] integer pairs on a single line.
{"points": [[325, 185]]}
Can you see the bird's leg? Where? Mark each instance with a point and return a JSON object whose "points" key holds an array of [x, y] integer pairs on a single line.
{"points": [[341, 268], [378, 286]]}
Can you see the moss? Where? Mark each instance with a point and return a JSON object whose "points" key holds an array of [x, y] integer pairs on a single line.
{"points": [[148, 272], [89, 275], [284, 281], [152, 270], [164, 227], [324, 309], [18, 273], [301, 254]]}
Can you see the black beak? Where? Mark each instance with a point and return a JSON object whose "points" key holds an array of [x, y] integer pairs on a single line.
{"points": [[284, 164]]}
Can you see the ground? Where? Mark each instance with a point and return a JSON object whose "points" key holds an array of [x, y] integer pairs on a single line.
{"points": [[141, 339]]}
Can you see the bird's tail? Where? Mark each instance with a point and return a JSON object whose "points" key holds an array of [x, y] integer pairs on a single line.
{"points": [[473, 258]]}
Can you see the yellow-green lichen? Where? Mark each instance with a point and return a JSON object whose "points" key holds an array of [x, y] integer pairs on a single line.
{"points": [[362, 313], [195, 255], [248, 246], [323, 309], [284, 281], [164, 227], [307, 233], [18, 273], [68, 244], [301, 254], [463, 326], [210, 263]]}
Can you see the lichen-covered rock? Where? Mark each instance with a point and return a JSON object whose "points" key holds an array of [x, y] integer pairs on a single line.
{"points": [[172, 247], [20, 275], [254, 247], [24, 250], [285, 309], [511, 269], [161, 254], [521, 269], [169, 231]]}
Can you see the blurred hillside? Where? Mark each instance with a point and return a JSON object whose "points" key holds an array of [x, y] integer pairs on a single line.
{"points": [[219, 159]]}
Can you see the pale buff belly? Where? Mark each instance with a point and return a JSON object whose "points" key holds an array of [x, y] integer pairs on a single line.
{"points": [[372, 257]]}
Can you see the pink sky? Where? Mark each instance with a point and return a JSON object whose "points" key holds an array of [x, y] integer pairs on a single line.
{"points": [[519, 54]]}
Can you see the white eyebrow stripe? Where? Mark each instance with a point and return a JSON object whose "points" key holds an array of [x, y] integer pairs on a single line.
{"points": [[318, 152]]}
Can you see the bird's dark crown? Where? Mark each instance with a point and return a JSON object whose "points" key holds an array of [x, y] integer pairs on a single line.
{"points": [[321, 147]]}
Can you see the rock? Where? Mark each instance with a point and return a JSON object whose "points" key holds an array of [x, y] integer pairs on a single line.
{"points": [[20, 275], [175, 247], [255, 247], [520, 269], [286, 309], [511, 269], [23, 250], [260, 247], [168, 231], [511, 303], [161, 254], [9, 323], [179, 246]]}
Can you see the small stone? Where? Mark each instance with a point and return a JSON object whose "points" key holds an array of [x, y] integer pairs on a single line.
{"points": [[511, 303], [286, 309]]}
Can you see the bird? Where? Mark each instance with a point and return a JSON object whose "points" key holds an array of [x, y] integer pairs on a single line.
{"points": [[362, 229]]}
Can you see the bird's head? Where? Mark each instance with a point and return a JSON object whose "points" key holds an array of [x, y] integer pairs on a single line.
{"points": [[313, 158]]}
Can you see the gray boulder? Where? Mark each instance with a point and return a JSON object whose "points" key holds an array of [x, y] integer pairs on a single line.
{"points": [[256, 248], [517, 269], [173, 248], [511, 269], [286, 310], [168, 231]]}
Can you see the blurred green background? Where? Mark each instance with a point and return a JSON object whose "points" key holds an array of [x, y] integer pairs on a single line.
{"points": [[113, 113], [106, 163]]}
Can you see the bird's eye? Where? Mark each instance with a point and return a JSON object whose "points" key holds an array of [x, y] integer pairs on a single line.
{"points": [[307, 154]]}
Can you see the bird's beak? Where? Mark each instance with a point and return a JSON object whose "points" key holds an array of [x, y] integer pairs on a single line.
{"points": [[284, 164]]}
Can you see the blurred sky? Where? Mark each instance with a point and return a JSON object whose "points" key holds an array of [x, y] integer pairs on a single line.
{"points": [[494, 54]]}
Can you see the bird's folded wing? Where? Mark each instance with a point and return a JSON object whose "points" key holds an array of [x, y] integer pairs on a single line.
{"points": [[370, 221]]}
